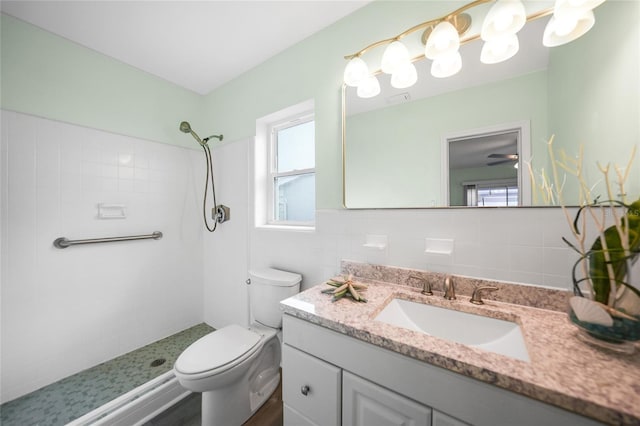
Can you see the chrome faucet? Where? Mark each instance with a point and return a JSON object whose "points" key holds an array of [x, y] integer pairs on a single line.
{"points": [[426, 285], [449, 288], [476, 297]]}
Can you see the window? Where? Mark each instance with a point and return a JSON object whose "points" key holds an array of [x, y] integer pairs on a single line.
{"points": [[491, 194], [292, 178]]}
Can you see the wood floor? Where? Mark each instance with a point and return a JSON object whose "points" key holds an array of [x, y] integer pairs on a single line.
{"points": [[270, 414]]}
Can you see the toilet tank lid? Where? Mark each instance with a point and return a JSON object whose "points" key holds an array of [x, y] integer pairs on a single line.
{"points": [[276, 276]]}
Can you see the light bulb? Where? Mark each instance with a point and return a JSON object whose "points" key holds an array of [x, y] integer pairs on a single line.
{"points": [[369, 87], [405, 76], [503, 21], [560, 31], [505, 17], [575, 8], [565, 25], [443, 40], [355, 72], [499, 49], [447, 65], [394, 56]]}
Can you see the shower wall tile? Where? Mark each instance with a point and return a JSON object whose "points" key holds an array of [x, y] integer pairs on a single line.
{"points": [[83, 305]]}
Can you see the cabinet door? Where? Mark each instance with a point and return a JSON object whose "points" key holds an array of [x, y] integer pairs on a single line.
{"points": [[293, 418], [367, 404], [311, 387], [441, 419]]}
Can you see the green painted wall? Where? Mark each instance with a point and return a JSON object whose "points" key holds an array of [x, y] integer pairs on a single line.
{"points": [[48, 76], [598, 106]]}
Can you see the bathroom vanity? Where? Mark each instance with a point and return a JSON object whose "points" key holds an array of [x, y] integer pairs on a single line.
{"points": [[342, 365]]}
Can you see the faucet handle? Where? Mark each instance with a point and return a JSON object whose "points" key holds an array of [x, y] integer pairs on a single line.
{"points": [[476, 297], [426, 285], [449, 288]]}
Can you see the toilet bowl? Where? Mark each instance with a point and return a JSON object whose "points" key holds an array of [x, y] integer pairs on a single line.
{"points": [[237, 368]]}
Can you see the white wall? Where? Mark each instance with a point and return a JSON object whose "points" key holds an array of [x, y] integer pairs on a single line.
{"points": [[226, 253], [66, 310]]}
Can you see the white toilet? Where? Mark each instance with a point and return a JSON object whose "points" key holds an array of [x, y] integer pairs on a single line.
{"points": [[236, 368]]}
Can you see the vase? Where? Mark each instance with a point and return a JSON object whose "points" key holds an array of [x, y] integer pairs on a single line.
{"points": [[623, 335]]}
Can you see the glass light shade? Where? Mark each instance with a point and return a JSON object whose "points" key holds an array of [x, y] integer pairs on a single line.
{"points": [[505, 17], [369, 87], [443, 40], [405, 76], [499, 49], [395, 56], [564, 30], [447, 65], [574, 8], [355, 72]]}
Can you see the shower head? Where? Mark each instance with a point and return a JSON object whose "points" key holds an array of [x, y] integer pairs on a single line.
{"points": [[185, 127]]}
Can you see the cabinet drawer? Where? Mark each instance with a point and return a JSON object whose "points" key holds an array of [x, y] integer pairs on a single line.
{"points": [[311, 387]]}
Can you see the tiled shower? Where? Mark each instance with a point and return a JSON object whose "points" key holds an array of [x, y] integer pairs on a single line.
{"points": [[64, 310]]}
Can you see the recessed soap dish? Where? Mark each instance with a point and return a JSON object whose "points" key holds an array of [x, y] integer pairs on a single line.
{"points": [[376, 241], [111, 211]]}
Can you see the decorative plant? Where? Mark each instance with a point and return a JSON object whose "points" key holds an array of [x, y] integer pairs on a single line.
{"points": [[606, 262]]}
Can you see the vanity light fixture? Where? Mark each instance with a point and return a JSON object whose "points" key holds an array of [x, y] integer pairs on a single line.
{"points": [[443, 37]]}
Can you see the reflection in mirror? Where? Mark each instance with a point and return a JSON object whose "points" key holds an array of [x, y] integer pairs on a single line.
{"points": [[482, 168], [586, 93]]}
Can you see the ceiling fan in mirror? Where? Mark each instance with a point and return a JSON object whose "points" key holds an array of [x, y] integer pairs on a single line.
{"points": [[503, 159]]}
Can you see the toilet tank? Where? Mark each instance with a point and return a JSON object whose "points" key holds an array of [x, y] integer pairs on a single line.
{"points": [[268, 287]]}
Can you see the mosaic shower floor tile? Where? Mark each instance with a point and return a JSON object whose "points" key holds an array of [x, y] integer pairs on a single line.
{"points": [[76, 395]]}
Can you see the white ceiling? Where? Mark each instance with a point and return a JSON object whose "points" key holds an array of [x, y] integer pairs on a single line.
{"points": [[199, 45]]}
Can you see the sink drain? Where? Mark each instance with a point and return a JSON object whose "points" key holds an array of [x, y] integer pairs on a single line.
{"points": [[158, 362]]}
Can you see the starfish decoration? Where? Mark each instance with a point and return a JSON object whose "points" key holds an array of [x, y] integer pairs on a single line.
{"points": [[345, 287]]}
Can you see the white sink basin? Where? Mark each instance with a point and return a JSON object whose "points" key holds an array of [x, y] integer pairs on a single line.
{"points": [[490, 334]]}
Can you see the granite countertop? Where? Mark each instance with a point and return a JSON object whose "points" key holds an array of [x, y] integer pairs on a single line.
{"points": [[563, 370]]}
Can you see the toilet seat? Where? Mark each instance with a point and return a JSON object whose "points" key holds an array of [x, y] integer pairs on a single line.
{"points": [[218, 351]]}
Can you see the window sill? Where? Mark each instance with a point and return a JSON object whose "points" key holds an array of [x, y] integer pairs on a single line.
{"points": [[293, 228]]}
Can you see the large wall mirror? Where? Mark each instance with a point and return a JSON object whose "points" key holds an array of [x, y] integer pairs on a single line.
{"points": [[443, 142]]}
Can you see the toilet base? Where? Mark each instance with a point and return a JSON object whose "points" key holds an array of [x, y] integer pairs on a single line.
{"points": [[232, 397], [223, 408]]}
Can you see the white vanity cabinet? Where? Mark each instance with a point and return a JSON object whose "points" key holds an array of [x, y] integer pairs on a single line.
{"points": [[351, 383]]}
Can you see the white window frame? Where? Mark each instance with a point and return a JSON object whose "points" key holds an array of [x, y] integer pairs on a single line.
{"points": [[259, 174], [273, 174]]}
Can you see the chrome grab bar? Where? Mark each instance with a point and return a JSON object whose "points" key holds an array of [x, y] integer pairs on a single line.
{"points": [[63, 242]]}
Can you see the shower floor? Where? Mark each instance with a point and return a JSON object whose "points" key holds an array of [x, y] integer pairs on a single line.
{"points": [[76, 395]]}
